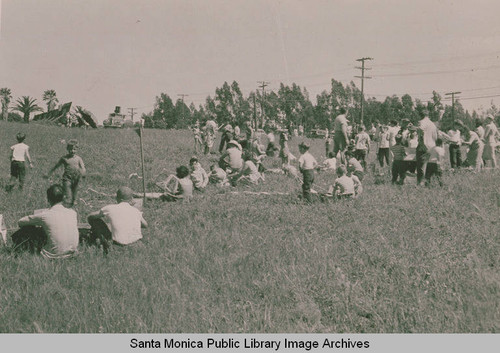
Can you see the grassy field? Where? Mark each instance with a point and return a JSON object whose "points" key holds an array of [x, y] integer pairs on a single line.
{"points": [[398, 259]]}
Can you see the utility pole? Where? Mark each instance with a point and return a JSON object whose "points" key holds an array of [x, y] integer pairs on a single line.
{"points": [[452, 94], [182, 95], [254, 112], [362, 77], [263, 85], [132, 113]]}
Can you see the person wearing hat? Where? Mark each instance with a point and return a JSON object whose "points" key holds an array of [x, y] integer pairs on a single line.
{"points": [[490, 142], [307, 164], [120, 223], [231, 158]]}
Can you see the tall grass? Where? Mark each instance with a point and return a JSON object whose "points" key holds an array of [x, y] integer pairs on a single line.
{"points": [[398, 259]]}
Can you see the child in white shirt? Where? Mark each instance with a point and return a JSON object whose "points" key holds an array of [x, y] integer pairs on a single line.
{"points": [[198, 175], [19, 154], [307, 164], [436, 158]]}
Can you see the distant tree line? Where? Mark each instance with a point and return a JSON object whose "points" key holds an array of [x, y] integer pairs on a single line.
{"points": [[292, 105]]}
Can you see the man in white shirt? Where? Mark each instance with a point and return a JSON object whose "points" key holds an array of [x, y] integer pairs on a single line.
{"points": [[490, 142], [340, 138], [455, 142], [53, 232], [430, 131], [120, 222], [430, 134]]}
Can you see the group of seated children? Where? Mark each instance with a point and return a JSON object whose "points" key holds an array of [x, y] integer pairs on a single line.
{"points": [[348, 182]]}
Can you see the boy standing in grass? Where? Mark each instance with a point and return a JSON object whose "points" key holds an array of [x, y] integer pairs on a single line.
{"points": [[19, 154], [362, 145], [398, 162], [74, 169], [436, 158], [307, 164]]}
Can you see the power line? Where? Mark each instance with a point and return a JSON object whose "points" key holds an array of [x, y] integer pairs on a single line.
{"points": [[439, 72]]}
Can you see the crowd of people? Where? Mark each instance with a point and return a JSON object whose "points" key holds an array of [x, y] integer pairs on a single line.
{"points": [[403, 149]]}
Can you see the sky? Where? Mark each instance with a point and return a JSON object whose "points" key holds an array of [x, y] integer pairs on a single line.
{"points": [[105, 53]]}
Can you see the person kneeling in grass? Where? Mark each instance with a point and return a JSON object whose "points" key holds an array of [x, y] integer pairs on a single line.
{"points": [[218, 176], [249, 174], [119, 223], [52, 232]]}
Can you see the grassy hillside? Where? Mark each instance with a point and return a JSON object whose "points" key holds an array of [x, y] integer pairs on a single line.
{"points": [[398, 259]]}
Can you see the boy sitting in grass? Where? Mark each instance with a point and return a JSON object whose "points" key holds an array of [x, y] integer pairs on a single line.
{"points": [[343, 188], [249, 174], [329, 164], [218, 176], [353, 165], [119, 223], [198, 175], [52, 232], [74, 170], [175, 187]]}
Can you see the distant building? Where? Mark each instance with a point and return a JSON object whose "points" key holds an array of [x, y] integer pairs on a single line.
{"points": [[117, 119]]}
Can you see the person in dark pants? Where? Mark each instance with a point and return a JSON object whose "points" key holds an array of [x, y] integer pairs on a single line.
{"points": [[421, 156], [455, 143], [74, 170], [398, 163], [18, 156], [307, 164]]}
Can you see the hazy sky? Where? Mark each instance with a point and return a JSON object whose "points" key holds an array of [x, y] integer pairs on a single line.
{"points": [[103, 53]]}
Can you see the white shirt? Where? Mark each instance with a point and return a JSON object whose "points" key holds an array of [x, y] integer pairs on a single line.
{"points": [[436, 155], [430, 132], [61, 226], [199, 177], [124, 222], [393, 131], [362, 141], [340, 123], [19, 152], [344, 185], [307, 161], [490, 133], [330, 163], [454, 137]]}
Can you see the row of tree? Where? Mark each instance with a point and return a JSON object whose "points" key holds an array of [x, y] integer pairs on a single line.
{"points": [[25, 105], [291, 105]]}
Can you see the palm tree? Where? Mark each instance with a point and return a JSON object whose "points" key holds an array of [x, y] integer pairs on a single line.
{"points": [[49, 96], [27, 105], [5, 98]]}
